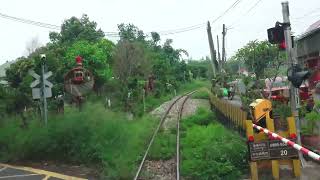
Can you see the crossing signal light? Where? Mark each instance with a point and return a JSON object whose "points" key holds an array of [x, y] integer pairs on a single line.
{"points": [[282, 45], [276, 34], [297, 76]]}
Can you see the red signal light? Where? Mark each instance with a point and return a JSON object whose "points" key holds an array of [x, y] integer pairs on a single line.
{"points": [[282, 45]]}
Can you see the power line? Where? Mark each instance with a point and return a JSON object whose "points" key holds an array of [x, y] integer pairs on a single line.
{"points": [[44, 25], [116, 34], [190, 28], [226, 11], [247, 12], [311, 13], [31, 22]]}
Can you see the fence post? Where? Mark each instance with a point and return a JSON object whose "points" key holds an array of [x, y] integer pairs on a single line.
{"points": [[253, 165], [274, 163], [295, 162]]}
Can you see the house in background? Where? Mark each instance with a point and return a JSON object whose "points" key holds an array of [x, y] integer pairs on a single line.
{"points": [[308, 52], [3, 68]]}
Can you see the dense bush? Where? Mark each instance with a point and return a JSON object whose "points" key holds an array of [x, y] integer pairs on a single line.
{"points": [[95, 136], [209, 151]]}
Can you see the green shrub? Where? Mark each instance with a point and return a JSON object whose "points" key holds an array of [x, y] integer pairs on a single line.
{"points": [[312, 118], [94, 136], [209, 151], [201, 95], [202, 117]]}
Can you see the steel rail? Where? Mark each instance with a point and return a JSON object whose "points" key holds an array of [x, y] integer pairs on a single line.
{"points": [[163, 118], [178, 135]]}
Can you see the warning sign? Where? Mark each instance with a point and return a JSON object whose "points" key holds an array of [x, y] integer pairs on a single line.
{"points": [[274, 149]]}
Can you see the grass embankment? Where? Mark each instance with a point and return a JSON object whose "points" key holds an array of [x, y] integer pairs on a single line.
{"points": [[164, 146], [202, 93], [94, 136], [209, 151], [152, 102]]}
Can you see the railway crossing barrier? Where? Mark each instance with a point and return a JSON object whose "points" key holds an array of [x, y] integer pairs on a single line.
{"points": [[265, 149], [289, 143]]}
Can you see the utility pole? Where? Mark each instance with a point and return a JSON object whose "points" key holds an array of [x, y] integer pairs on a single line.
{"points": [[212, 51], [294, 96], [224, 32], [218, 52]]}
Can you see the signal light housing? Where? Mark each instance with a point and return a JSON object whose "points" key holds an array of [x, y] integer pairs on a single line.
{"points": [[276, 34], [297, 76]]}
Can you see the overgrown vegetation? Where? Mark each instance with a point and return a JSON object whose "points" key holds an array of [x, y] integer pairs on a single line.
{"points": [[201, 94], [121, 68], [164, 146], [252, 65], [96, 137], [209, 151], [312, 118]]}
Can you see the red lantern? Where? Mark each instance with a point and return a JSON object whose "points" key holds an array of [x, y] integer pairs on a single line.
{"points": [[79, 60], [78, 74]]}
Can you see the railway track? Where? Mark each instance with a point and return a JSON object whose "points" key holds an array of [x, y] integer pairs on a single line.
{"points": [[182, 98]]}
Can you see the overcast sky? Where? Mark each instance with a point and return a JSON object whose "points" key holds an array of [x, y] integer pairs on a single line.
{"points": [[154, 15]]}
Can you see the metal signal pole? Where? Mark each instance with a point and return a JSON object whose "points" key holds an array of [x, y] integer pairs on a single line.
{"points": [[43, 89], [294, 96], [212, 51]]}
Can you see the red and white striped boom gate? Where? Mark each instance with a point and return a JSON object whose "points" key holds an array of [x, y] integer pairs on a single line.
{"points": [[288, 142]]}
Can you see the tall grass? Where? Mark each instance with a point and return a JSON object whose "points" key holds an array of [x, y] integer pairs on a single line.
{"points": [[94, 136], [209, 151]]}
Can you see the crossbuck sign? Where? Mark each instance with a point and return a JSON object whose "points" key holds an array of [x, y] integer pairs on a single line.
{"points": [[36, 92]]}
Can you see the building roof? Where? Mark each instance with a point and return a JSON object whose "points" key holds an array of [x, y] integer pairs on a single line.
{"points": [[313, 28]]}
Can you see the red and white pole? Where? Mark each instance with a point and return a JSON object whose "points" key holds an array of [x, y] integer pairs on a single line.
{"points": [[288, 142]]}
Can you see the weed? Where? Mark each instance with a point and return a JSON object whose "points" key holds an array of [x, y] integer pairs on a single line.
{"points": [[209, 151], [94, 136]]}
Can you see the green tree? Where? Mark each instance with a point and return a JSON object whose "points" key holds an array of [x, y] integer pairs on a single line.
{"points": [[257, 56], [130, 61], [199, 68], [75, 29], [97, 58], [130, 32]]}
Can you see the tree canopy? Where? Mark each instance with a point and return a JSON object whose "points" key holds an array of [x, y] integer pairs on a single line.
{"points": [[117, 67]]}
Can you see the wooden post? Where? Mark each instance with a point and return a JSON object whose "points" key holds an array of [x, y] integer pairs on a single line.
{"points": [[253, 165], [274, 163], [295, 162]]}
